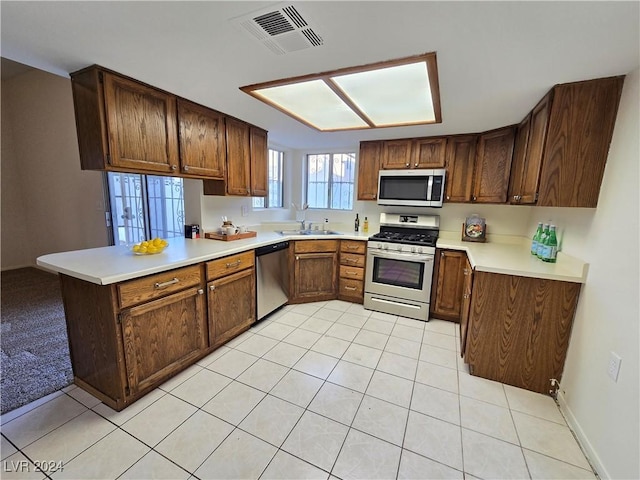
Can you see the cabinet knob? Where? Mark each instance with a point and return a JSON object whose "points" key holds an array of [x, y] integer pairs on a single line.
{"points": [[200, 291], [174, 167], [406, 164], [212, 287], [185, 168], [474, 198], [466, 295], [415, 164], [297, 257], [448, 197], [442, 254]]}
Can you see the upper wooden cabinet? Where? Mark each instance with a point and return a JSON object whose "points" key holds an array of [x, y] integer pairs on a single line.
{"points": [[414, 153], [124, 125], [460, 157], [527, 154], [368, 167], [203, 142], [493, 166], [580, 128], [127, 126]]}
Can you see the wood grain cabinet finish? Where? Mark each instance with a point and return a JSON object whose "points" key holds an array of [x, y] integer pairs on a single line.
{"points": [[259, 162], [493, 166], [314, 264], [459, 161], [448, 284], [121, 353], [203, 143], [368, 168], [518, 329], [531, 136], [396, 154], [162, 337], [580, 128], [466, 305], [124, 125], [428, 152], [351, 273]]}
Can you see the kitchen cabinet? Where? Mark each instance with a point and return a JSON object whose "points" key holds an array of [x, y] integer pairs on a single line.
{"points": [[124, 125], [531, 135], [231, 299], [518, 329], [493, 166], [314, 264], [467, 286], [581, 123], [127, 338], [459, 161], [447, 286], [351, 273], [203, 142], [368, 167], [246, 165], [428, 152]]}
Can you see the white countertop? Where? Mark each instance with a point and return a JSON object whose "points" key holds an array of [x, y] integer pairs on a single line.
{"points": [[107, 265], [513, 257]]}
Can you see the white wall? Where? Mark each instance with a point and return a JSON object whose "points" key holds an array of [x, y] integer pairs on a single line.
{"points": [[48, 204], [604, 413]]}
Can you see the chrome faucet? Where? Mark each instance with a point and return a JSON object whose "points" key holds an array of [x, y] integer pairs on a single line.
{"points": [[303, 225]]}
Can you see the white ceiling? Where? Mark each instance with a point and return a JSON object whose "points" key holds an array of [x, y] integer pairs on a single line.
{"points": [[495, 59]]}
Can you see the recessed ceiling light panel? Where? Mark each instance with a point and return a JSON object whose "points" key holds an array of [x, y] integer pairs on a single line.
{"points": [[387, 94]]}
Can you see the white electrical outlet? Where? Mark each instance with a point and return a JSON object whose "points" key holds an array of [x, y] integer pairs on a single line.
{"points": [[614, 366], [245, 210]]}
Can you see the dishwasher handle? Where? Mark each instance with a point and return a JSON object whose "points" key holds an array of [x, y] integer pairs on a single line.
{"points": [[272, 248]]}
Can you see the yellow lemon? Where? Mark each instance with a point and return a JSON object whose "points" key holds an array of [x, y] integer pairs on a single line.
{"points": [[157, 242], [136, 248], [152, 249], [144, 244], [142, 249], [164, 243]]}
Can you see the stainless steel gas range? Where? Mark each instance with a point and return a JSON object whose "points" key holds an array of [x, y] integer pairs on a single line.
{"points": [[400, 265]]}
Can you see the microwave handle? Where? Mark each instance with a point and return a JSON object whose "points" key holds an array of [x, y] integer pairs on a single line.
{"points": [[429, 187]]}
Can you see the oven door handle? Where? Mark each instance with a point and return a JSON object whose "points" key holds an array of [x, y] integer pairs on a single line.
{"points": [[403, 256]]}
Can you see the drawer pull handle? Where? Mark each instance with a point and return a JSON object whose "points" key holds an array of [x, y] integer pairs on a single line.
{"points": [[234, 264], [166, 284], [349, 288], [351, 273], [353, 247]]}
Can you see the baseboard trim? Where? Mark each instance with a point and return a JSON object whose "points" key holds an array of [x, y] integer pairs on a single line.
{"points": [[16, 267], [588, 449]]}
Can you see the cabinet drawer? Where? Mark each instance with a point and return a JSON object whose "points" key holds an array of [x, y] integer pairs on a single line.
{"points": [[351, 288], [352, 259], [148, 288], [355, 273], [231, 264], [353, 246], [306, 246]]}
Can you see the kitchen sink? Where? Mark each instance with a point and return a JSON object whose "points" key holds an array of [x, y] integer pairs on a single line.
{"points": [[308, 232]]}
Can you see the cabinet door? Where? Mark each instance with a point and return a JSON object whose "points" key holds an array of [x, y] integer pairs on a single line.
{"points": [[141, 123], [493, 166], [203, 144], [259, 162], [162, 337], [315, 276], [519, 329], [461, 154], [429, 152], [519, 158], [396, 154], [232, 305], [466, 305], [581, 124], [535, 149], [446, 301], [368, 168], [238, 158]]}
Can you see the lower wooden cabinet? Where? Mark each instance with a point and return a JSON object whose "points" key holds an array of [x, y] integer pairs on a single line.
{"points": [[162, 336], [447, 287], [518, 329], [126, 339], [315, 270], [351, 273], [231, 296], [466, 304]]}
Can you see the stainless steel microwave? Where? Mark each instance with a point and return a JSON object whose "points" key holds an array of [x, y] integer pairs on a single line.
{"points": [[411, 188]]}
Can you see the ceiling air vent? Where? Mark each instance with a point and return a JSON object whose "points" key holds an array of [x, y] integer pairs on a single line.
{"points": [[282, 29]]}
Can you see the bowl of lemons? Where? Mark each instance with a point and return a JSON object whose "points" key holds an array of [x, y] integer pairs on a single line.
{"points": [[150, 247]]}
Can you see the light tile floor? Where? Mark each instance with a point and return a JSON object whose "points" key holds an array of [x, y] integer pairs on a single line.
{"points": [[321, 390]]}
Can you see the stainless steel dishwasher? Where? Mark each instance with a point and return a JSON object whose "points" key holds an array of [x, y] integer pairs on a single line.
{"points": [[272, 277]]}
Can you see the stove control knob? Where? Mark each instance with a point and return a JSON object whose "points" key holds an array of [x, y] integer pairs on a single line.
{"points": [[385, 246], [379, 246], [419, 249], [399, 248], [413, 249]]}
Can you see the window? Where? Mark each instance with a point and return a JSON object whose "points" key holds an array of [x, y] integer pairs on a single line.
{"points": [[145, 206], [330, 180], [274, 187]]}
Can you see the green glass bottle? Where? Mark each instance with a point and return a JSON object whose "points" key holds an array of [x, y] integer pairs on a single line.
{"points": [[551, 246], [536, 239], [540, 248]]}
